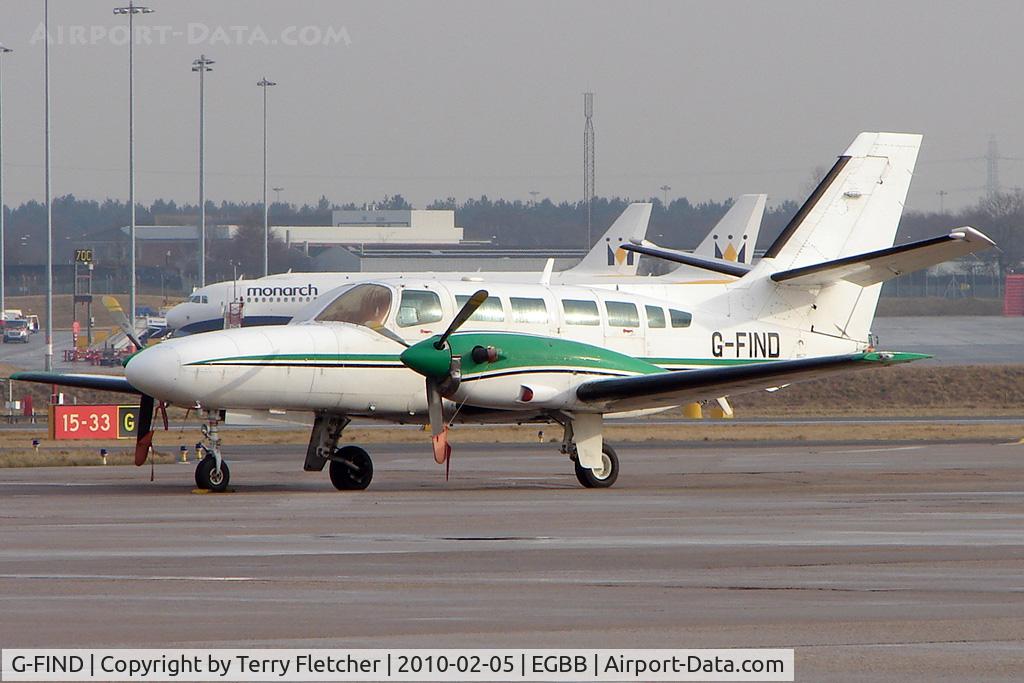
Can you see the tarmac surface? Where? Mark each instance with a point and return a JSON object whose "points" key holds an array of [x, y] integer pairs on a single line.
{"points": [[955, 340], [875, 562]]}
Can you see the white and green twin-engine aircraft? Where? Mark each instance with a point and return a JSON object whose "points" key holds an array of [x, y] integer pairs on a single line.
{"points": [[434, 351]]}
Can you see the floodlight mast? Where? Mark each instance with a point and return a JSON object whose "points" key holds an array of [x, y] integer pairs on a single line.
{"points": [[131, 10], [264, 83], [201, 66], [3, 255]]}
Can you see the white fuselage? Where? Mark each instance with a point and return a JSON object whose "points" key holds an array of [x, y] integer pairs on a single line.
{"points": [[344, 367]]}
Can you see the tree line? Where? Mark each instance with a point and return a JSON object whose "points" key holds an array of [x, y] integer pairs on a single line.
{"points": [[507, 223]]}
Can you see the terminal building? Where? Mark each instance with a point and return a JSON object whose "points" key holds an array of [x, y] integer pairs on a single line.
{"points": [[369, 240]]}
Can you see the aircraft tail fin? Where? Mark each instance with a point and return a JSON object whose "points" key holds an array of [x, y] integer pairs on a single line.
{"points": [[857, 206], [607, 257], [851, 215], [734, 236]]}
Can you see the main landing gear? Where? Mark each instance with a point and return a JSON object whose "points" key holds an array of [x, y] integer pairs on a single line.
{"points": [[594, 461], [212, 473], [603, 477], [351, 467]]}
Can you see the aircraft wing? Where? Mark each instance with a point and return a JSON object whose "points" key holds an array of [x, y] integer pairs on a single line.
{"points": [[673, 388], [115, 383], [885, 264]]}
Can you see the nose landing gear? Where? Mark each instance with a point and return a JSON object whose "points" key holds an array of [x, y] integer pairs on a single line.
{"points": [[212, 473]]}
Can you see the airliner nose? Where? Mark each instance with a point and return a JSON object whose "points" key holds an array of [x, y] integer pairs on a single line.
{"points": [[177, 317], [155, 371]]}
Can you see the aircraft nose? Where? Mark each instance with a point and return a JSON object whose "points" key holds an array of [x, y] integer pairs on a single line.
{"points": [[177, 317], [155, 371]]}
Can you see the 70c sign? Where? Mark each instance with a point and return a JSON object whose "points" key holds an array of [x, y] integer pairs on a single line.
{"points": [[94, 422]]}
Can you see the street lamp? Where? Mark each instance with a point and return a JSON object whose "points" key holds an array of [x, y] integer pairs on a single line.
{"points": [[665, 189], [264, 83], [533, 196], [131, 10], [277, 193], [202, 65], [3, 300], [48, 351]]}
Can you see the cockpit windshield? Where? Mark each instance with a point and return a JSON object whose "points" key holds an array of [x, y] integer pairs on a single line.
{"points": [[362, 305]]}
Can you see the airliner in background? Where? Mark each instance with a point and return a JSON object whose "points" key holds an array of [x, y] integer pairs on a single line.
{"points": [[275, 299]]}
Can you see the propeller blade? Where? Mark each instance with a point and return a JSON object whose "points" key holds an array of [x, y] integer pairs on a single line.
{"points": [[438, 429], [144, 433], [385, 332], [435, 409], [121, 319], [462, 316]]}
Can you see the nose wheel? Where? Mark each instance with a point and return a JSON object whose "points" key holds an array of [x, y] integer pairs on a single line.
{"points": [[211, 477], [212, 473], [351, 469]]}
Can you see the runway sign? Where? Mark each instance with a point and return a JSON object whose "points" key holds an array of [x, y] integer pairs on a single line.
{"points": [[98, 422]]}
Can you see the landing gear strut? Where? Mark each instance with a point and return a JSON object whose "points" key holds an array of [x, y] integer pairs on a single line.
{"points": [[351, 467], [595, 469], [212, 472]]}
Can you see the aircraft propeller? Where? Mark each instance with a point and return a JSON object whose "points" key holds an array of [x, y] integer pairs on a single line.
{"points": [[433, 359], [147, 404]]}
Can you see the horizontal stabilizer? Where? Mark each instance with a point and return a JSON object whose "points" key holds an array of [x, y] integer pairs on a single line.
{"points": [[98, 382], [685, 386], [714, 265], [878, 266]]}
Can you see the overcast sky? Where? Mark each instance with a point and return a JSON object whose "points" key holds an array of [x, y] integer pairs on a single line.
{"points": [[437, 99]]}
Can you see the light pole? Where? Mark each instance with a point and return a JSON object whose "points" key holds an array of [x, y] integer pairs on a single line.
{"points": [[942, 204], [202, 65], [264, 83], [277, 194], [48, 351], [665, 189], [131, 10], [533, 196], [3, 293]]}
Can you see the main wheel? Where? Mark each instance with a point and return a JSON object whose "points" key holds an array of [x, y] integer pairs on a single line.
{"points": [[601, 478], [210, 478], [352, 470]]}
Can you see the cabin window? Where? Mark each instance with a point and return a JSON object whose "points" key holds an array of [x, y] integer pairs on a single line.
{"points": [[580, 312], [655, 316], [418, 307], [679, 318], [490, 311], [622, 314], [361, 305], [526, 310]]}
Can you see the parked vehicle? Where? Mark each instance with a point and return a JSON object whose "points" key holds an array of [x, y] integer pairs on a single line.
{"points": [[16, 331]]}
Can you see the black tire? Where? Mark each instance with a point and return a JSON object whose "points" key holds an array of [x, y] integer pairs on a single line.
{"points": [[352, 470], [208, 478], [604, 478]]}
